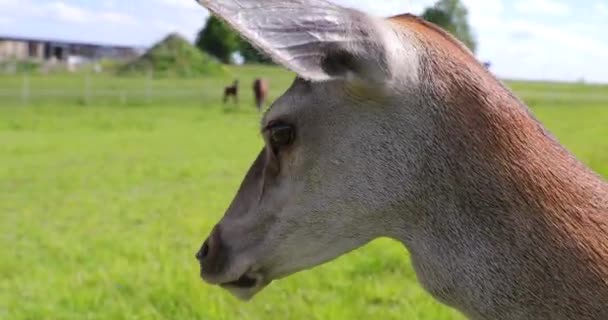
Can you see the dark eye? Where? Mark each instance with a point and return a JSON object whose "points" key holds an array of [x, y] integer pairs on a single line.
{"points": [[280, 135]]}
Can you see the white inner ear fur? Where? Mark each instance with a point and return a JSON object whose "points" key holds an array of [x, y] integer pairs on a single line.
{"points": [[401, 54], [299, 34]]}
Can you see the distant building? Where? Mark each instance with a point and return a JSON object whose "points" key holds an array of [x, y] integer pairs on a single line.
{"points": [[62, 51]]}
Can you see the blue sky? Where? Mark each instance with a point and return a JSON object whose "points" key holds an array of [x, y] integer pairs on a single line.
{"points": [[527, 39]]}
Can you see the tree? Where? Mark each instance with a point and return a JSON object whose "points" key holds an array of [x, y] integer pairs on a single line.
{"points": [[452, 16], [218, 39]]}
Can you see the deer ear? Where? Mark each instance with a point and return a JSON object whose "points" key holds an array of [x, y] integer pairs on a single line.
{"points": [[314, 38]]}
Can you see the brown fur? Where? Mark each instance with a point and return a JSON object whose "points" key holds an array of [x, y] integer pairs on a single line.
{"points": [[260, 91], [555, 222], [400, 132], [232, 91]]}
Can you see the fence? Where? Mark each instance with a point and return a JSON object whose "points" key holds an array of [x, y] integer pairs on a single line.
{"points": [[102, 89], [90, 90], [99, 89]]}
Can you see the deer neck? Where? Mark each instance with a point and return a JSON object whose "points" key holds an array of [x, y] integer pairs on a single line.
{"points": [[510, 218]]}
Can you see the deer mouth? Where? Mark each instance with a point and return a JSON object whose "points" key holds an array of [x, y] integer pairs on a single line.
{"points": [[246, 281], [246, 287]]}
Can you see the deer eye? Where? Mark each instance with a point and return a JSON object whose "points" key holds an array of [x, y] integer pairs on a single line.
{"points": [[280, 135]]}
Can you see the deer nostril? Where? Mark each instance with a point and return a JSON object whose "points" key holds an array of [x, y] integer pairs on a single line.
{"points": [[203, 252]]}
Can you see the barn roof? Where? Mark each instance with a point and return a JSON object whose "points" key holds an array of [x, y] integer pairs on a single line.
{"points": [[67, 42]]}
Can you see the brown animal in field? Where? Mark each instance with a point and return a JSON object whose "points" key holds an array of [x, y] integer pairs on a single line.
{"points": [[393, 129], [260, 91], [232, 91]]}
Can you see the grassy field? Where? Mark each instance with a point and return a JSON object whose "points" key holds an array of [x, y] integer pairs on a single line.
{"points": [[102, 207]]}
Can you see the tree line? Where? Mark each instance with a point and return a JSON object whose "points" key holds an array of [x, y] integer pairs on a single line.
{"points": [[219, 40]]}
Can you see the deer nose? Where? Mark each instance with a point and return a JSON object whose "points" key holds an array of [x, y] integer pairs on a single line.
{"points": [[202, 253], [212, 254]]}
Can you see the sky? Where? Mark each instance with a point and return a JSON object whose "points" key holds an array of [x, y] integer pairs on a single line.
{"points": [[561, 40]]}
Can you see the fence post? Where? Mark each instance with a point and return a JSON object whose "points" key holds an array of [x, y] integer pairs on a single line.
{"points": [[87, 89], [25, 90], [123, 97], [149, 87]]}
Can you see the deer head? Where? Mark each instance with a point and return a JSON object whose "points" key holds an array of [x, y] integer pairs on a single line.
{"points": [[391, 129], [327, 181], [344, 145]]}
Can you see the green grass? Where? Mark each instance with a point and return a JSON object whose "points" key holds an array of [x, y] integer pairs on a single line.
{"points": [[103, 207]]}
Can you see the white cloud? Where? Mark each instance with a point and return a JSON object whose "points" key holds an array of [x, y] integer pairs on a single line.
{"points": [[165, 26], [5, 20], [387, 7], [601, 8], [484, 14], [535, 50], [73, 14], [116, 18], [549, 7], [584, 27], [520, 48], [567, 39], [418, 6], [67, 12], [16, 9], [182, 4], [509, 34], [187, 18], [482, 9], [109, 3], [10, 6]]}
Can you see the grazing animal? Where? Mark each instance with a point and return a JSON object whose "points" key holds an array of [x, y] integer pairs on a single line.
{"points": [[232, 91], [260, 91], [393, 129]]}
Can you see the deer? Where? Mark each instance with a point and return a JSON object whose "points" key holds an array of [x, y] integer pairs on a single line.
{"points": [[232, 91], [393, 129], [260, 92]]}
